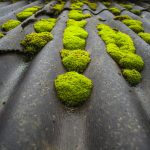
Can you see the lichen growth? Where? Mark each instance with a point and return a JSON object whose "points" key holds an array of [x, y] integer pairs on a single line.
{"points": [[115, 10], [10, 24], [21, 16], [34, 42], [121, 48], [45, 25], [76, 60], [78, 15], [73, 89], [72, 22], [127, 6], [132, 76], [1, 35], [145, 37], [135, 11]]}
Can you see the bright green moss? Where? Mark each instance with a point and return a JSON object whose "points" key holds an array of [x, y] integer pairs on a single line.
{"points": [[131, 61], [74, 38], [77, 5], [132, 76], [91, 5], [45, 25], [121, 48], [73, 89], [115, 10], [72, 22], [59, 7], [78, 15], [134, 25], [1, 35], [145, 37], [76, 60], [34, 42], [122, 17], [107, 4], [127, 6], [10, 24], [135, 11], [26, 13]]}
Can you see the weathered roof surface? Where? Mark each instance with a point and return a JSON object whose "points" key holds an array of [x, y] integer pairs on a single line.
{"points": [[31, 116]]}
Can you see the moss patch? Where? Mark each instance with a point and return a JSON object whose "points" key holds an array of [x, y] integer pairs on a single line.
{"points": [[107, 4], [45, 25], [34, 42], [115, 10], [132, 76], [127, 6], [76, 60], [121, 48], [1, 35], [59, 7], [78, 15], [73, 89], [91, 5], [77, 5], [145, 37], [72, 22], [135, 11], [10, 24], [27, 13], [122, 17]]}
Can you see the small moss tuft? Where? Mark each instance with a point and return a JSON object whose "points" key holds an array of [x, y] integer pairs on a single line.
{"points": [[59, 7], [107, 4], [132, 76], [145, 37], [127, 6], [78, 15], [73, 89], [77, 5], [115, 10], [10, 24], [44, 25], [34, 42], [1, 35], [76, 60], [72, 22], [122, 17], [91, 5], [135, 11]]}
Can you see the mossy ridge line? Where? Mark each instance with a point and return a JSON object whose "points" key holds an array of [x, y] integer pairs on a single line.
{"points": [[121, 48], [73, 89]]}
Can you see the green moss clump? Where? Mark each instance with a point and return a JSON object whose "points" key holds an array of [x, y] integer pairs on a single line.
{"points": [[73, 89], [1, 35], [122, 17], [127, 6], [76, 60], [115, 10], [10, 24], [74, 38], [59, 7], [91, 5], [132, 76], [45, 25], [26, 13], [135, 11], [131, 61], [121, 48], [78, 15], [34, 42], [77, 5], [72, 22], [107, 4], [145, 37]]}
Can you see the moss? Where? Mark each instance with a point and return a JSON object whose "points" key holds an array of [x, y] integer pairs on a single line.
{"points": [[78, 15], [131, 61], [127, 6], [59, 7], [115, 10], [1, 35], [74, 38], [135, 11], [121, 48], [10, 24], [72, 22], [122, 17], [91, 5], [132, 76], [107, 4], [134, 25], [26, 13], [34, 42], [77, 5], [44, 25], [145, 37], [76, 60], [73, 89]]}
